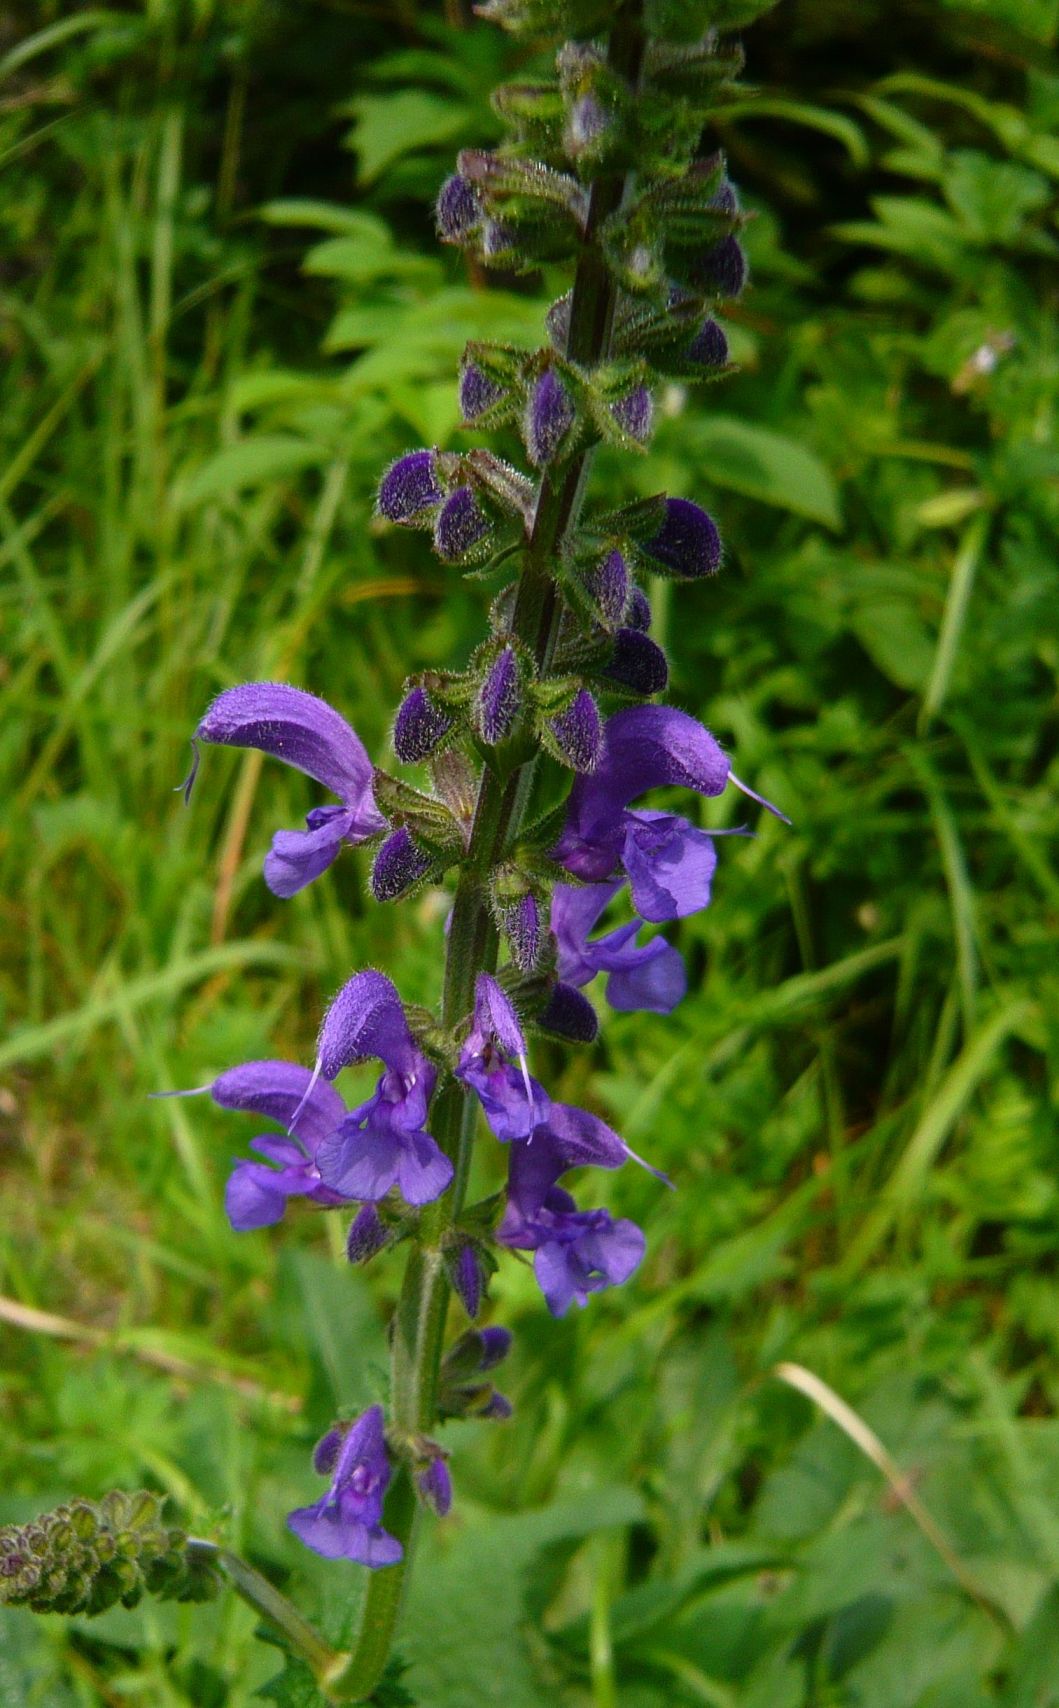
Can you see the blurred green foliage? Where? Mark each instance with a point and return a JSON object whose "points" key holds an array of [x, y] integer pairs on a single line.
{"points": [[221, 310]]}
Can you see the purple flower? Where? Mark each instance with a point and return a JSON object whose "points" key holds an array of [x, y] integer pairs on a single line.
{"points": [[310, 735], [398, 866], [649, 977], [709, 347], [419, 727], [256, 1195], [549, 416], [493, 1063], [668, 862], [477, 391], [634, 414], [383, 1143], [462, 528], [579, 732], [609, 585], [638, 663], [576, 1252], [687, 543], [346, 1524], [499, 697], [410, 490]]}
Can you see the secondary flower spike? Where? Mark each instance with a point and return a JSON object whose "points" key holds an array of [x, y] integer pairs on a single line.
{"points": [[383, 1142], [308, 734], [346, 1524], [669, 863]]}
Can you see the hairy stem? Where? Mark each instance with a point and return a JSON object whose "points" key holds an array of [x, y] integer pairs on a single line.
{"points": [[419, 1325]]}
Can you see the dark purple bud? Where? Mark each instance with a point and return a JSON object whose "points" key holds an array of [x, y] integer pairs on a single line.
{"points": [[687, 543], [477, 391], [709, 347], [557, 321], [723, 267], [459, 211], [410, 490], [725, 200], [434, 1486], [498, 242], [325, 1453], [569, 1015], [638, 663], [465, 1274], [521, 925], [634, 414], [399, 865], [499, 698], [549, 417], [609, 583], [498, 1408], [588, 121], [496, 1344], [579, 732], [639, 617], [461, 528], [419, 727], [367, 1236]]}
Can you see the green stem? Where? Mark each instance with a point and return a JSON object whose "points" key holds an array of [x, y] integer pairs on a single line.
{"points": [[419, 1324]]}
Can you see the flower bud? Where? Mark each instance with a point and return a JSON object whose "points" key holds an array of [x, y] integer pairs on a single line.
{"points": [[687, 543], [419, 727], [462, 529], [434, 1485], [569, 1015], [634, 414], [587, 127], [399, 865], [367, 1235], [496, 1344], [609, 586], [549, 416], [639, 617], [326, 1451], [459, 212], [465, 1274], [723, 267], [578, 732], [520, 922], [477, 391], [410, 491], [557, 321], [709, 347], [499, 698], [499, 1408], [637, 662]]}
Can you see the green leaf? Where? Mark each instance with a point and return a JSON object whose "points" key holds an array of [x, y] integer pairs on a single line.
{"points": [[389, 126], [760, 464], [251, 463], [464, 1639]]}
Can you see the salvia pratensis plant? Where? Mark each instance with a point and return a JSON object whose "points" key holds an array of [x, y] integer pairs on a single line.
{"points": [[540, 755]]}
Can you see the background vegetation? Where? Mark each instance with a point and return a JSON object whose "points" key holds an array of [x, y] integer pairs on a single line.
{"points": [[221, 310]]}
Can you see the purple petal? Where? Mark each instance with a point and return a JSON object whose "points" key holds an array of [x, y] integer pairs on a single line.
{"points": [[552, 1267], [366, 1018], [495, 1015], [615, 1252], [634, 413], [638, 663], [419, 728], [568, 1014], [297, 857], [521, 925], [278, 1089], [581, 1139], [423, 1171], [367, 1236], [639, 617], [462, 528], [610, 587], [435, 1486], [499, 698], [579, 732], [670, 865], [459, 211], [709, 347], [398, 866], [326, 1530], [549, 416], [652, 979], [477, 391], [256, 1195], [361, 1162], [466, 1275], [723, 267], [304, 732], [410, 489], [496, 1344]]}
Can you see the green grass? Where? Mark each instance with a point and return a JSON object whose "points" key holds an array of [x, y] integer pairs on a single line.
{"points": [[854, 1098]]}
